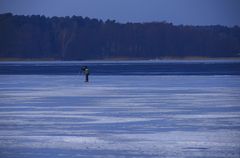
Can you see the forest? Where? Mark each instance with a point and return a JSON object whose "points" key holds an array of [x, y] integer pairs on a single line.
{"points": [[83, 38]]}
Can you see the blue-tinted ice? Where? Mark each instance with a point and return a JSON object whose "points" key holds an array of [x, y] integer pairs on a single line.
{"points": [[119, 116]]}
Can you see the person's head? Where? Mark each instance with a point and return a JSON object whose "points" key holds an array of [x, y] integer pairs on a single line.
{"points": [[84, 68]]}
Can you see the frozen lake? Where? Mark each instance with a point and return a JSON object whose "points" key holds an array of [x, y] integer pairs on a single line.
{"points": [[158, 67], [59, 116]]}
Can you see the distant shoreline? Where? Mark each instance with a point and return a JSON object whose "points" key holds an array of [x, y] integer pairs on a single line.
{"points": [[117, 59]]}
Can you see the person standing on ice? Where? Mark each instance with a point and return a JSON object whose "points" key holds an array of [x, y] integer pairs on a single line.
{"points": [[85, 72]]}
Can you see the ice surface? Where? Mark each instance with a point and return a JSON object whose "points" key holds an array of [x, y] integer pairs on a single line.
{"points": [[119, 116]]}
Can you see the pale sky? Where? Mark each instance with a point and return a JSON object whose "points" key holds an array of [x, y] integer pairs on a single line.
{"points": [[187, 12]]}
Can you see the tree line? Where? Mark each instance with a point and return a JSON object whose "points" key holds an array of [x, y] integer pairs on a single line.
{"points": [[78, 38]]}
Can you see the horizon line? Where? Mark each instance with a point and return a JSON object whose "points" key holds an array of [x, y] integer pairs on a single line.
{"points": [[118, 22]]}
